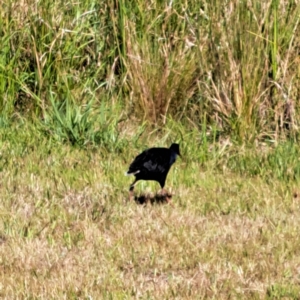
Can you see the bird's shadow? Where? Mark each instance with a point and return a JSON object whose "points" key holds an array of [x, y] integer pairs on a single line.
{"points": [[152, 199]]}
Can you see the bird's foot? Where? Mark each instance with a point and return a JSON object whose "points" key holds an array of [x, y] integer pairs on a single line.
{"points": [[167, 196], [169, 200]]}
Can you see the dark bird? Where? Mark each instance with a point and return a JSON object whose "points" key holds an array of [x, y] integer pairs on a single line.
{"points": [[153, 164]]}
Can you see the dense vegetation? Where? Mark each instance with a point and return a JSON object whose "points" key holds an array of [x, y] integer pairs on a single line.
{"points": [[69, 66], [86, 85]]}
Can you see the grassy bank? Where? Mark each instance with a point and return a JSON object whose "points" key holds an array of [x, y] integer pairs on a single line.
{"points": [[232, 66]]}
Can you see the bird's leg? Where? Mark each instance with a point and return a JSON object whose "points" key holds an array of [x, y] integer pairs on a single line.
{"points": [[168, 199], [131, 188]]}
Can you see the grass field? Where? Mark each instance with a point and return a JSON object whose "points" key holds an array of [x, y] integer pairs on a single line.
{"points": [[85, 86], [68, 231]]}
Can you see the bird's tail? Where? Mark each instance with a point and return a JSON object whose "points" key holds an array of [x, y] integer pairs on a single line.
{"points": [[131, 173]]}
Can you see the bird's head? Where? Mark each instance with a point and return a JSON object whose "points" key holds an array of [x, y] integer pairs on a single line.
{"points": [[175, 148]]}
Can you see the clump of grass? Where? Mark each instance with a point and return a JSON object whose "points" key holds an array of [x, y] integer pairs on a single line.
{"points": [[160, 64], [82, 125]]}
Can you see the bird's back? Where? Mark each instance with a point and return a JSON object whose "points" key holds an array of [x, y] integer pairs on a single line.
{"points": [[151, 161]]}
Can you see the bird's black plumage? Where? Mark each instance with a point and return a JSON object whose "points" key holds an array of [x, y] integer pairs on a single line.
{"points": [[153, 164]]}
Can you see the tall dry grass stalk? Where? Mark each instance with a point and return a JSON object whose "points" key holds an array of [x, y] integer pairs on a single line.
{"points": [[161, 68]]}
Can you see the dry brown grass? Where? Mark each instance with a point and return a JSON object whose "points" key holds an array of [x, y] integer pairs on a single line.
{"points": [[67, 232]]}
